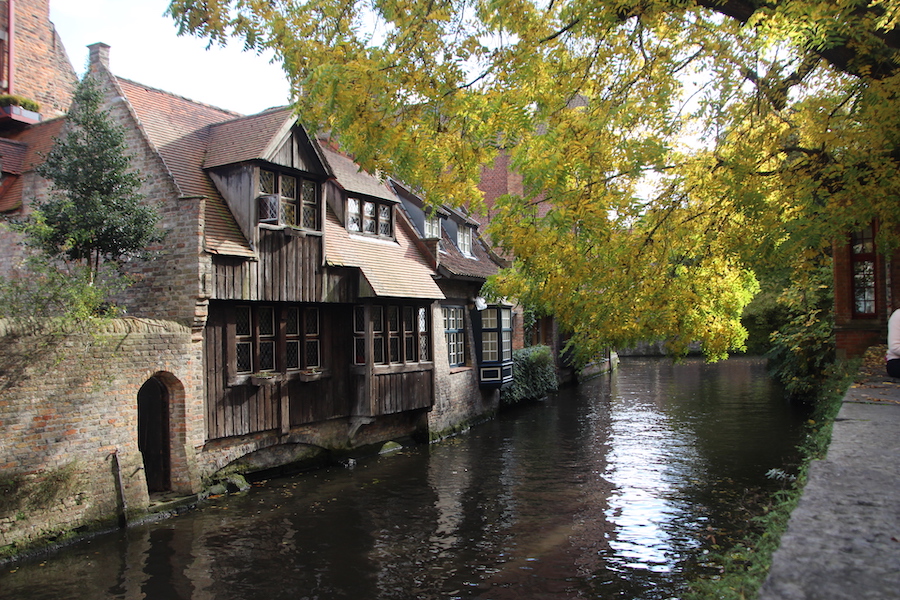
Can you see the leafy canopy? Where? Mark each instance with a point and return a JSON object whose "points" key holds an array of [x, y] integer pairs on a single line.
{"points": [[94, 212], [669, 149]]}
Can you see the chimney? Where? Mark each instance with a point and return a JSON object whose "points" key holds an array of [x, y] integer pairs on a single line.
{"points": [[99, 56]]}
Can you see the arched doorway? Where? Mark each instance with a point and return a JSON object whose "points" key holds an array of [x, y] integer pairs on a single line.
{"points": [[153, 434]]}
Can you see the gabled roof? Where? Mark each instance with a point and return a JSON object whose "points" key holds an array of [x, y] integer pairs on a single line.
{"points": [[247, 138], [178, 129], [350, 177], [393, 269], [20, 153], [406, 194]]}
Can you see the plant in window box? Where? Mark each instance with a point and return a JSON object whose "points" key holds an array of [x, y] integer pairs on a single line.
{"points": [[264, 378], [19, 108]]}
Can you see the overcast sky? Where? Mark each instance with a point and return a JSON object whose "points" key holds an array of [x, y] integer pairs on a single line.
{"points": [[145, 48]]}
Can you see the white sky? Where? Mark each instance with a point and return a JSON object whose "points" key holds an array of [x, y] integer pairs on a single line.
{"points": [[145, 47]]}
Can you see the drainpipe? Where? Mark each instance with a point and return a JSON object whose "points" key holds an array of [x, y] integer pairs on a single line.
{"points": [[11, 44]]}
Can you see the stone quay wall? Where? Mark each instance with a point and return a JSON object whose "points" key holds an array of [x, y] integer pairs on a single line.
{"points": [[69, 456]]}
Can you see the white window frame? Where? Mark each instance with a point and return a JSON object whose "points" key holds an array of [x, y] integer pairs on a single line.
{"points": [[464, 239], [432, 226], [455, 333]]}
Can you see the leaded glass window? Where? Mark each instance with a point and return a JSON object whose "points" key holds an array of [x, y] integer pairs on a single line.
{"points": [[862, 248], [279, 338], [400, 334], [288, 200]]}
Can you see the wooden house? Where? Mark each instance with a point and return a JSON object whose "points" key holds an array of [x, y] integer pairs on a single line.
{"points": [[311, 299]]}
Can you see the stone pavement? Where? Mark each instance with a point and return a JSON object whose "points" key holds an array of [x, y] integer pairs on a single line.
{"points": [[843, 539]]}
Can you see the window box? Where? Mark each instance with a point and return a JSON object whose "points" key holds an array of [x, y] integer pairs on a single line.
{"points": [[309, 375], [17, 113], [260, 379]]}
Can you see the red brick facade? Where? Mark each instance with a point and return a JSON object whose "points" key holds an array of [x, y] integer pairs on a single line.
{"points": [[41, 68], [855, 333]]}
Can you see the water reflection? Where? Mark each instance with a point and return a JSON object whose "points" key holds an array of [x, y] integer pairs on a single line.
{"points": [[603, 491]]}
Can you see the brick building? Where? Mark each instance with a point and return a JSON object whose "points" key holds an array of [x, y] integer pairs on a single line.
{"points": [[313, 313], [33, 61], [866, 291]]}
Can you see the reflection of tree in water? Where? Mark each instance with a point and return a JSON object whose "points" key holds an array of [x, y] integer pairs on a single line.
{"points": [[608, 489]]}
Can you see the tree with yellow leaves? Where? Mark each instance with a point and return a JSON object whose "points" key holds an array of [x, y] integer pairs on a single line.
{"points": [[680, 146]]}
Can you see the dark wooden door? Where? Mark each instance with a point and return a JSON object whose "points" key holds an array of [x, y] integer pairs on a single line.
{"points": [[153, 434]]}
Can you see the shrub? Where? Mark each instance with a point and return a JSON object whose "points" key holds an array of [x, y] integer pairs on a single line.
{"points": [[534, 375], [802, 356], [13, 100]]}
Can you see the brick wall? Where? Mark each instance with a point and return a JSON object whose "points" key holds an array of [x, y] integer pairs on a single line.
{"points": [[170, 285], [458, 398], [42, 70], [13, 250], [67, 404], [853, 335]]}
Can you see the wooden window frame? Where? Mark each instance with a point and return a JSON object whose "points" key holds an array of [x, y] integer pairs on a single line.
{"points": [[465, 237], [455, 334], [277, 337], [300, 211], [432, 227], [399, 333], [496, 334], [863, 294], [364, 214]]}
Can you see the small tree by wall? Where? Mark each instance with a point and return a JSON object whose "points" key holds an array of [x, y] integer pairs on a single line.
{"points": [[95, 212], [93, 219]]}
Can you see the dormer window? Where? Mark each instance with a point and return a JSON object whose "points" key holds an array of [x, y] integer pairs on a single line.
{"points": [[370, 217], [464, 240], [433, 226], [288, 200]]}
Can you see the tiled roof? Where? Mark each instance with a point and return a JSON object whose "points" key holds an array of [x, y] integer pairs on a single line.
{"points": [[20, 153], [179, 130], [479, 266], [351, 177], [393, 268], [12, 155], [247, 138], [451, 261]]}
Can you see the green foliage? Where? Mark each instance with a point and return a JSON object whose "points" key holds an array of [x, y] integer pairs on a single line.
{"points": [[14, 100], [95, 212], [803, 350], [534, 375], [42, 297], [763, 316], [670, 151]]}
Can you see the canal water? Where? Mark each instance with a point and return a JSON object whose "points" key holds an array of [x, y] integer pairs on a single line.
{"points": [[613, 489]]}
